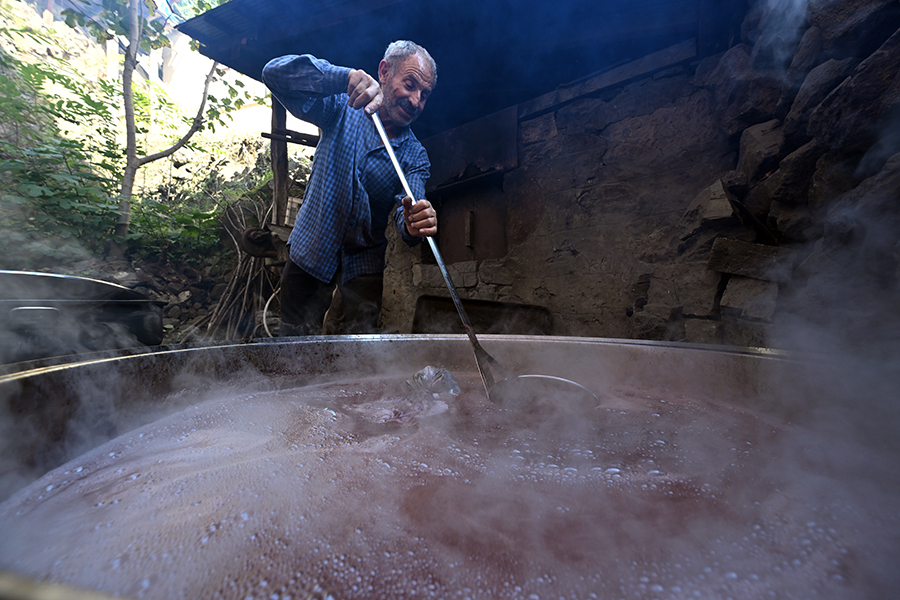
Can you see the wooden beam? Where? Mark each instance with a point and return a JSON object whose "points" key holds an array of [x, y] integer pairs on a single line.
{"points": [[293, 137], [279, 164], [648, 64]]}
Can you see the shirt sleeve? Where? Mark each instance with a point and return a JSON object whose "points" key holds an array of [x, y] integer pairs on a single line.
{"points": [[309, 87], [416, 175]]}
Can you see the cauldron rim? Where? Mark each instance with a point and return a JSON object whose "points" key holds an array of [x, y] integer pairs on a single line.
{"points": [[24, 369]]}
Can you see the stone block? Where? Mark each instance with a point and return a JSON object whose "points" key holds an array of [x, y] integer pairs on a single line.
{"points": [[855, 114], [701, 331], [586, 114], [691, 287], [735, 184], [768, 263], [760, 149], [427, 276], [806, 57], [878, 196], [675, 141], [793, 222], [847, 24], [818, 83], [463, 274], [835, 175], [652, 323], [538, 130], [790, 183], [743, 95], [747, 334], [218, 291], [750, 298], [662, 289], [819, 262], [697, 245], [496, 272], [710, 208], [752, 23], [780, 31], [860, 231]]}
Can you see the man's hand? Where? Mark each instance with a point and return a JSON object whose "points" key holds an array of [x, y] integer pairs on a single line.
{"points": [[364, 91], [420, 218]]}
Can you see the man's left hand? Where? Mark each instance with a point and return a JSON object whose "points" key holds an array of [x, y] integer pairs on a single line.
{"points": [[420, 218]]}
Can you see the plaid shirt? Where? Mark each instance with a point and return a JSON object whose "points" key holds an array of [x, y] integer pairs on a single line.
{"points": [[353, 186]]}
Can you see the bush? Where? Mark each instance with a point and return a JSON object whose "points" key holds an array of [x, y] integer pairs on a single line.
{"points": [[57, 199]]}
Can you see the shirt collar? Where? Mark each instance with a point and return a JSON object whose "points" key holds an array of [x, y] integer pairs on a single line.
{"points": [[396, 142]]}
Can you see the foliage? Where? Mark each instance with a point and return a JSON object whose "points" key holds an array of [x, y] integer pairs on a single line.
{"points": [[56, 198], [183, 219], [62, 157], [188, 9], [109, 18], [179, 231]]}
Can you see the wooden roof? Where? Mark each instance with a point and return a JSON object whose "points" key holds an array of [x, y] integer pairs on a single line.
{"points": [[491, 54]]}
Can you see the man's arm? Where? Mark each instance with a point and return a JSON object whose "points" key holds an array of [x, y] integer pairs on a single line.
{"points": [[419, 219], [305, 86]]}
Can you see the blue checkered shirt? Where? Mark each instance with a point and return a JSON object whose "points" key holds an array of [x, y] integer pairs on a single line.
{"points": [[353, 186]]}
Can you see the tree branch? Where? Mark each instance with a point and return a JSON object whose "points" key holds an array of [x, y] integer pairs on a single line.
{"points": [[195, 125]]}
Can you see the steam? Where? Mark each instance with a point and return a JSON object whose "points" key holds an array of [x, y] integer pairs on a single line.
{"points": [[850, 279], [781, 29], [648, 497], [654, 494], [47, 315], [888, 143]]}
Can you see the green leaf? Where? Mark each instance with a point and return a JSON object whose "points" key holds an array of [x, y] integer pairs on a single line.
{"points": [[32, 190], [65, 178]]}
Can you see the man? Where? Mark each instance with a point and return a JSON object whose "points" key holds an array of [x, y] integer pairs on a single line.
{"points": [[338, 237]]}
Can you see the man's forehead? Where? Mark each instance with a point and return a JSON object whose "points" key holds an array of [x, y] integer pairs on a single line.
{"points": [[418, 67]]}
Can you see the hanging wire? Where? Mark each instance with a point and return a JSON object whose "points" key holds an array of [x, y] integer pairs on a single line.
{"points": [[265, 314]]}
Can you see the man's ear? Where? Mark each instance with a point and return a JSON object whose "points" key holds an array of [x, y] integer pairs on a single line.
{"points": [[384, 72]]}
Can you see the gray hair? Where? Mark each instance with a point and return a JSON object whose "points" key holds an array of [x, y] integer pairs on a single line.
{"points": [[400, 50]]}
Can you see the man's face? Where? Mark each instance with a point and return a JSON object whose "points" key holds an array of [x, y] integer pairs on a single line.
{"points": [[406, 89]]}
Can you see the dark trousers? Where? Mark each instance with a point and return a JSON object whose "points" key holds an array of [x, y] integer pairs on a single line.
{"points": [[305, 299]]}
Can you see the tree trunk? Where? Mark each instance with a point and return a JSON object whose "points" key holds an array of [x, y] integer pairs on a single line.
{"points": [[132, 161]]}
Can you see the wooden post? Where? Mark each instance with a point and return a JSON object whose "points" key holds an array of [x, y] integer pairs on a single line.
{"points": [[279, 164]]}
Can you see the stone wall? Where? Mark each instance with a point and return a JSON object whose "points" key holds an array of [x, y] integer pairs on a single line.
{"points": [[722, 199]]}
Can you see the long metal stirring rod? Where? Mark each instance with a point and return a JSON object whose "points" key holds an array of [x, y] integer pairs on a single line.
{"points": [[481, 355]]}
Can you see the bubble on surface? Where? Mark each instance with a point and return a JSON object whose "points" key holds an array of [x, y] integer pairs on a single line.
{"points": [[300, 493]]}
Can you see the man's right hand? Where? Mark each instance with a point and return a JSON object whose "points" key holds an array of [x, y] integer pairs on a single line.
{"points": [[364, 91]]}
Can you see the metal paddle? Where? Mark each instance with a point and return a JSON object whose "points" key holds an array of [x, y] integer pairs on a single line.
{"points": [[506, 389]]}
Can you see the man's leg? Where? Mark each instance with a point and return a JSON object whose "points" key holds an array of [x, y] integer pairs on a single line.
{"points": [[304, 300], [361, 297]]}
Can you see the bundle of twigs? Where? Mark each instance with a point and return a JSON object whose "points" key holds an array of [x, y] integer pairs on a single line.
{"points": [[237, 315]]}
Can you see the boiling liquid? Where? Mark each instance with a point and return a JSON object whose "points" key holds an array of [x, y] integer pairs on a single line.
{"points": [[359, 490]]}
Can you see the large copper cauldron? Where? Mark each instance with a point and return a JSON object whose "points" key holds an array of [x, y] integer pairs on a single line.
{"points": [[309, 469]]}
